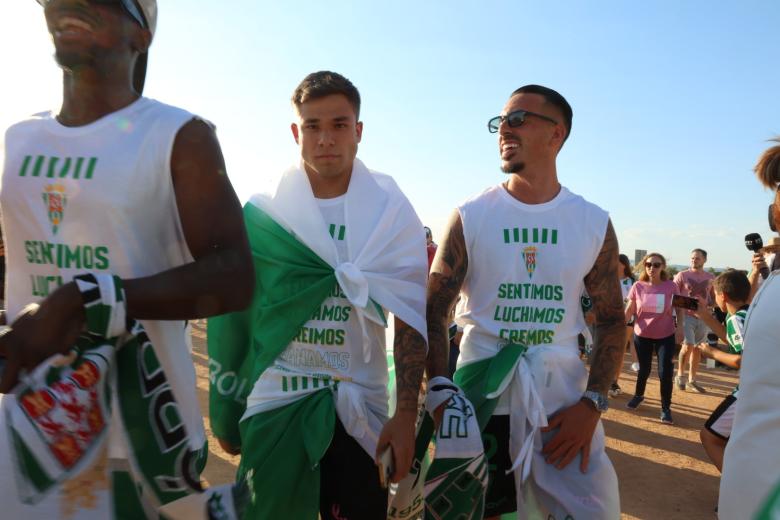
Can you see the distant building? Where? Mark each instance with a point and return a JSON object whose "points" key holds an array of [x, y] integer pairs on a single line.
{"points": [[639, 254]]}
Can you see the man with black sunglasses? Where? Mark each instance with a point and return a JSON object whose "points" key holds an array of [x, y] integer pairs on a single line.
{"points": [[129, 195], [521, 253]]}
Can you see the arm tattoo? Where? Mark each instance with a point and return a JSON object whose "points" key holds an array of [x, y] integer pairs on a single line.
{"points": [[446, 278], [409, 356], [604, 290]]}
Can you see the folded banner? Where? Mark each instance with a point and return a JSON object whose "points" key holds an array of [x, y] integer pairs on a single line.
{"points": [[453, 485], [457, 480], [61, 419]]}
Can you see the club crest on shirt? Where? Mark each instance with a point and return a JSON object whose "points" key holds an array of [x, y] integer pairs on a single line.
{"points": [[529, 255], [55, 199]]}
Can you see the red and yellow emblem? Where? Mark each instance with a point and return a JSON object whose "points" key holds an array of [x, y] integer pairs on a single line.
{"points": [[86, 375], [37, 403], [55, 199], [67, 450], [529, 255]]}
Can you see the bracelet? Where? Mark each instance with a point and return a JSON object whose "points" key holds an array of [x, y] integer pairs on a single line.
{"points": [[104, 304]]}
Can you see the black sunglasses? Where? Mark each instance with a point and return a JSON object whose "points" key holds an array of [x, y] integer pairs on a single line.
{"points": [[129, 6], [657, 265], [515, 119]]}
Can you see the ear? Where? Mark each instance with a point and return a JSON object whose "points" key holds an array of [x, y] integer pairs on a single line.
{"points": [[359, 130], [146, 40], [141, 38], [294, 130], [558, 136]]}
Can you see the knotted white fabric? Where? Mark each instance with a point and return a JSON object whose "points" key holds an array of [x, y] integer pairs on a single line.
{"points": [[385, 270], [528, 416], [548, 379], [355, 287], [385, 242]]}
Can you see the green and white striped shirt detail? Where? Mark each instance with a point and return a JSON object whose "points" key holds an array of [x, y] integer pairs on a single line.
{"points": [[735, 324]]}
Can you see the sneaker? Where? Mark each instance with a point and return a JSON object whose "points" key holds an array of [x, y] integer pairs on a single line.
{"points": [[696, 387], [679, 382], [615, 390], [635, 366], [666, 416], [635, 401]]}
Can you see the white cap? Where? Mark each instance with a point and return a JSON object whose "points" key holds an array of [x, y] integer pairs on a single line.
{"points": [[149, 8]]}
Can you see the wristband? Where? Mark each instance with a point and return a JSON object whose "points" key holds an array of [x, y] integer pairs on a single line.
{"points": [[104, 304]]}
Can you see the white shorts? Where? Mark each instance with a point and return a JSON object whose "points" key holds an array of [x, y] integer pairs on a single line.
{"points": [[721, 421]]}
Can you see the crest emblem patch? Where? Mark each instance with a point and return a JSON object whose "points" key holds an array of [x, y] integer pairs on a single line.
{"points": [[55, 199]]}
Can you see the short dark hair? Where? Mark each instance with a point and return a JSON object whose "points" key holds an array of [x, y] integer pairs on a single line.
{"points": [[326, 83], [702, 252], [734, 284], [555, 99], [626, 264]]}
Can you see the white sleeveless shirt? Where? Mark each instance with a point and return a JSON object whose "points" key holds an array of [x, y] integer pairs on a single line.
{"points": [[526, 265], [99, 198]]}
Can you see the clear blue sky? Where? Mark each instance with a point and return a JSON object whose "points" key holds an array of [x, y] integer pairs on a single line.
{"points": [[673, 101]]}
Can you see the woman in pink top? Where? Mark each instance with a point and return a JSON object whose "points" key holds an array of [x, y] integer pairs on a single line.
{"points": [[650, 303]]}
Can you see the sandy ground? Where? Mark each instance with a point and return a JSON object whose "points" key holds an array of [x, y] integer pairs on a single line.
{"points": [[663, 470]]}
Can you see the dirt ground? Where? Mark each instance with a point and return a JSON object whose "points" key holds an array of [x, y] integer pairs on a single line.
{"points": [[663, 471]]}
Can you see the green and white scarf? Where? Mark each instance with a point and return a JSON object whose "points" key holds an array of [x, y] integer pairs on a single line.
{"points": [[453, 485], [61, 418]]}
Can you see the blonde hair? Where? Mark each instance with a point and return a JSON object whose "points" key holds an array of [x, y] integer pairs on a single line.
{"points": [[768, 166], [643, 276]]}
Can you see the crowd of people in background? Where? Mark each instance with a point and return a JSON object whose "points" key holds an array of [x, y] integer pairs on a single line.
{"points": [[142, 232]]}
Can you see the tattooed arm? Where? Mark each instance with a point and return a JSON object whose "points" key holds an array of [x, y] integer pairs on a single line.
{"points": [[604, 289], [446, 278], [409, 355], [575, 425], [398, 432]]}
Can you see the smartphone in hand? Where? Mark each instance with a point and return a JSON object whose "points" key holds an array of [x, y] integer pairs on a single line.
{"points": [[386, 466], [684, 302]]}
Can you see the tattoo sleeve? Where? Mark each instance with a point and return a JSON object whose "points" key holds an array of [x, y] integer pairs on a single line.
{"points": [[409, 356], [446, 278], [604, 289]]}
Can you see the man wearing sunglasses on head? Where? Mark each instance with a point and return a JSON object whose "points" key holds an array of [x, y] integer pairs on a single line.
{"points": [[130, 196], [520, 254]]}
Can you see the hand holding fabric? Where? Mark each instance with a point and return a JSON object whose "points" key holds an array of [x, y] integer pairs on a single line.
{"points": [[576, 425], [398, 432], [39, 332]]}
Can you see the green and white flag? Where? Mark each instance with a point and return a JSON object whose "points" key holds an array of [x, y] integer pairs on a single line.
{"points": [[383, 268], [297, 265]]}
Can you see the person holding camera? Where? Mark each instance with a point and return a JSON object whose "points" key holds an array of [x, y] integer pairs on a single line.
{"points": [[694, 282], [751, 462], [655, 329], [732, 291]]}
